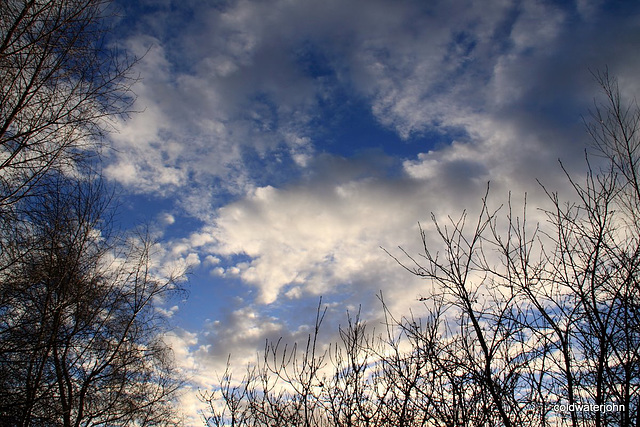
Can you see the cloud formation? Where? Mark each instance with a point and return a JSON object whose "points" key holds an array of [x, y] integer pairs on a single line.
{"points": [[250, 80], [242, 140]]}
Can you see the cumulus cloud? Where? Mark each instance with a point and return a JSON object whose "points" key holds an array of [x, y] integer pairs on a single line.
{"points": [[304, 238], [322, 235], [244, 107], [166, 219]]}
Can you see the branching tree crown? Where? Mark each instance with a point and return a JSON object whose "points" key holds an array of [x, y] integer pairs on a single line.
{"points": [[59, 81], [80, 335], [545, 328], [80, 341]]}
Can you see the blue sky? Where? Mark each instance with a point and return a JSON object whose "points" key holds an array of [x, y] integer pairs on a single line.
{"points": [[281, 143]]}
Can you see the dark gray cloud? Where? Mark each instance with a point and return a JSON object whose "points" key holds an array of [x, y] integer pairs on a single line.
{"points": [[255, 74]]}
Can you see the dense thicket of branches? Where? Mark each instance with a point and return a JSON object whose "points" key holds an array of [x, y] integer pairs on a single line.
{"points": [[80, 335], [526, 323], [59, 81]]}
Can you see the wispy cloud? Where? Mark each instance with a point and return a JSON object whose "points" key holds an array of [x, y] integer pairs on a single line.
{"points": [[244, 107]]}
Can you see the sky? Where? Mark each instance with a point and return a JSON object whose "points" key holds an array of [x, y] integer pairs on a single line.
{"points": [[281, 146]]}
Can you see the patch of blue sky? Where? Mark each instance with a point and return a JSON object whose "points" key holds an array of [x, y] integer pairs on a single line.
{"points": [[208, 297], [353, 128], [142, 210]]}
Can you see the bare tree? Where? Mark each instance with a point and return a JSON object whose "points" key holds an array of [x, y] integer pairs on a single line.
{"points": [[553, 309], [59, 82], [80, 336], [533, 324]]}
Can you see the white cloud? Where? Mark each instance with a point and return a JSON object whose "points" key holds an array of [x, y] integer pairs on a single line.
{"points": [[234, 110], [239, 81], [321, 236], [212, 260], [166, 218], [313, 238], [193, 370], [167, 312]]}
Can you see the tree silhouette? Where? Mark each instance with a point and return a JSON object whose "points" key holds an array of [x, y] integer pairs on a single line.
{"points": [[60, 83], [528, 324], [80, 338]]}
